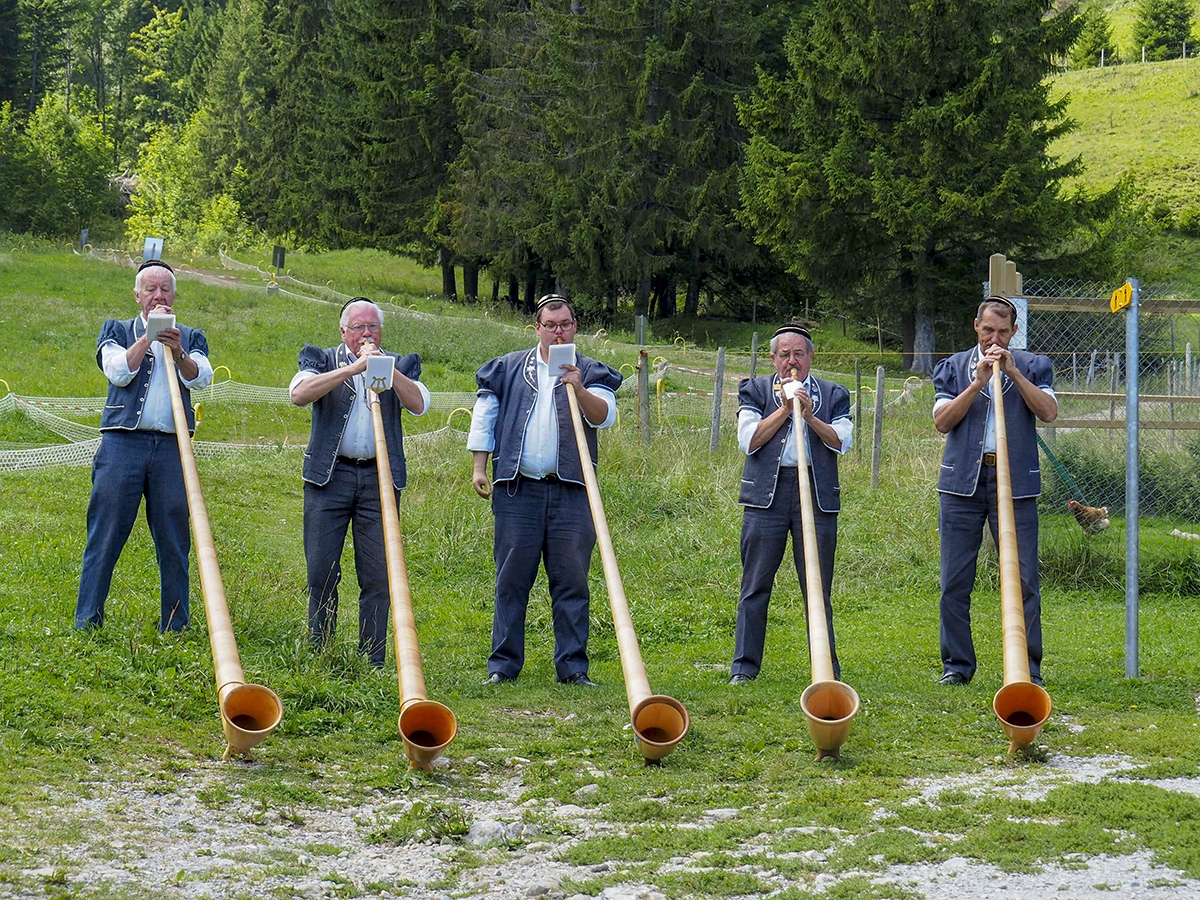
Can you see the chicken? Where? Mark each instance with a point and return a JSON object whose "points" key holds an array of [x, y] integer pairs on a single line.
{"points": [[1092, 519]]}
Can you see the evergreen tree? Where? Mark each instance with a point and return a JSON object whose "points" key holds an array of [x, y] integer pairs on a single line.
{"points": [[10, 50], [907, 143], [399, 131], [1095, 40], [43, 28], [1162, 27], [603, 145]]}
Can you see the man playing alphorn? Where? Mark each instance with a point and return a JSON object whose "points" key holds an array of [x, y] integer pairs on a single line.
{"points": [[139, 453], [770, 491], [341, 482], [962, 410], [540, 504]]}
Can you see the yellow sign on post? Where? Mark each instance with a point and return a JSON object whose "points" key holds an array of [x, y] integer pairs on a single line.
{"points": [[1121, 297]]}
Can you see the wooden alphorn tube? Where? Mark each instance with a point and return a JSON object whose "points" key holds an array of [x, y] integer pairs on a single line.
{"points": [[426, 726], [1022, 706], [829, 705], [249, 712], [659, 721]]}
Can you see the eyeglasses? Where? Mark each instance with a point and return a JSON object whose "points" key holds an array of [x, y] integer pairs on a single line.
{"points": [[364, 326], [791, 354], [557, 327]]}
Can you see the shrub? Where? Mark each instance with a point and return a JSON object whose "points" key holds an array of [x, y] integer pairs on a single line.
{"points": [[1095, 37]]}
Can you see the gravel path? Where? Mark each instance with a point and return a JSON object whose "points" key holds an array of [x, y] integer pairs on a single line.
{"points": [[130, 842]]}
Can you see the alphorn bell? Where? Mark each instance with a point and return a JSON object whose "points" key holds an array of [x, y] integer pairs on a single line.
{"points": [[1022, 706], [249, 712], [659, 721], [426, 726], [829, 705]]}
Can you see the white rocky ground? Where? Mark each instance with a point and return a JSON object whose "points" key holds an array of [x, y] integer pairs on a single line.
{"points": [[135, 843]]}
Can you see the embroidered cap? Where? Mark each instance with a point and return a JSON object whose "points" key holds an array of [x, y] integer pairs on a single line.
{"points": [[995, 298], [793, 329], [552, 298], [155, 262]]}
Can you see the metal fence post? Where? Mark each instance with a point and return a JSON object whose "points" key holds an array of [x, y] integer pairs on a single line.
{"points": [[1131, 481], [857, 409], [754, 355], [717, 390], [875, 452], [643, 392]]}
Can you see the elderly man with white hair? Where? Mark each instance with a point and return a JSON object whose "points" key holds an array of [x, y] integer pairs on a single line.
{"points": [[341, 483], [770, 493], [139, 453]]}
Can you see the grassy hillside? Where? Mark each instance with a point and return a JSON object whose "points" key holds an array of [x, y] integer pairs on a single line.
{"points": [[1138, 120], [124, 713]]}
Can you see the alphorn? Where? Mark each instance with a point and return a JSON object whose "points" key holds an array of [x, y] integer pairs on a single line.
{"points": [[1022, 706], [659, 722], [426, 726], [249, 712], [829, 705]]}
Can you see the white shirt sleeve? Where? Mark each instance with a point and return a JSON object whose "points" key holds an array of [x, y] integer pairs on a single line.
{"points": [[424, 397], [114, 364], [204, 376], [609, 398], [748, 420], [482, 435]]}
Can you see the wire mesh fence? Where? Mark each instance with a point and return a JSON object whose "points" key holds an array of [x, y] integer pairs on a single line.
{"points": [[1071, 322]]}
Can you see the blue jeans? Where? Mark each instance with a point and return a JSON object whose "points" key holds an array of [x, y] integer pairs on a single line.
{"points": [[540, 521], [130, 465], [764, 538], [960, 527], [351, 495]]}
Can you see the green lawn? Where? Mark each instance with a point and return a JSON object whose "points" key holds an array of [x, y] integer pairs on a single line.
{"points": [[81, 714]]}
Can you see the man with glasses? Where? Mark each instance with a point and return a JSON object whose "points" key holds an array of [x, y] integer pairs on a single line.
{"points": [[522, 419], [771, 491], [341, 483]]}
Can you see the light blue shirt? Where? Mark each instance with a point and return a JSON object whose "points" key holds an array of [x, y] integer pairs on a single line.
{"points": [[358, 437], [156, 411], [989, 429], [748, 420]]}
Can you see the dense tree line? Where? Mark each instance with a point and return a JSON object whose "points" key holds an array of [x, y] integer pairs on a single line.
{"points": [[684, 156]]}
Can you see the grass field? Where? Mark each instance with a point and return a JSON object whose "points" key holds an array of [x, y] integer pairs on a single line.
{"points": [[1138, 120], [83, 717]]}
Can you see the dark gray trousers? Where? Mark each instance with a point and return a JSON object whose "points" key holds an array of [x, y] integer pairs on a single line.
{"points": [[536, 522], [764, 538], [960, 528], [352, 495]]}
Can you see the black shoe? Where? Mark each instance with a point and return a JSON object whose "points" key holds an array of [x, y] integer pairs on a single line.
{"points": [[580, 678], [954, 678], [497, 678], [740, 678], [1037, 679]]}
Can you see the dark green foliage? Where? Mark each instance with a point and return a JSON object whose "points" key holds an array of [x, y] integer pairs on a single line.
{"points": [[1162, 28], [1095, 40], [907, 143], [9, 50], [51, 172], [602, 148]]}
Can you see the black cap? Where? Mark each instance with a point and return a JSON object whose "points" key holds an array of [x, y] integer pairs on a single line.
{"points": [[792, 329], [356, 300], [155, 262], [995, 298]]}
